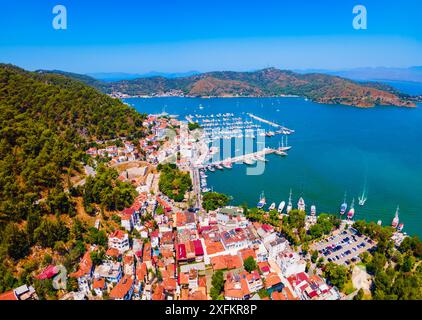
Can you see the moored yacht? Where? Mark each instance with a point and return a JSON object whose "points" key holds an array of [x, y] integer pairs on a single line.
{"points": [[290, 205], [343, 207], [272, 206], [395, 221], [281, 206], [262, 202], [313, 210], [301, 204], [351, 212]]}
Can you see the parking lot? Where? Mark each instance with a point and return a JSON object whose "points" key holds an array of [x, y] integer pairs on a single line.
{"points": [[343, 248]]}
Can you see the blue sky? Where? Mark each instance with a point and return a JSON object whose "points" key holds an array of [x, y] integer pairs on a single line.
{"points": [[183, 35]]}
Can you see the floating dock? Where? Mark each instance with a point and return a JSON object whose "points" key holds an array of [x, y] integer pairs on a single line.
{"points": [[273, 124]]}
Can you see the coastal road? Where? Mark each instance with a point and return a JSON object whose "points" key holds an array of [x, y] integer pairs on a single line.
{"points": [[196, 182]]}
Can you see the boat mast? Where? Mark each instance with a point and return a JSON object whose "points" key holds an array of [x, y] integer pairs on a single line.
{"points": [[290, 197]]}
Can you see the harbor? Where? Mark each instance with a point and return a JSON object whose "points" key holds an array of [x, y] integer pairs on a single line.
{"points": [[328, 157], [232, 126]]}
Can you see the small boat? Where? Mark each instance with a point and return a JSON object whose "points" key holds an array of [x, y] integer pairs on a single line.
{"points": [[284, 145], [249, 162], [280, 153], [211, 168], [364, 197], [219, 167], [272, 206], [313, 210], [351, 212], [400, 227], [301, 204], [290, 205], [262, 202], [343, 207], [395, 221], [281, 206], [205, 190], [227, 165], [379, 223]]}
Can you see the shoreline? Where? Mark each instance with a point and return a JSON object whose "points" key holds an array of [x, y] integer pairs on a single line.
{"points": [[410, 107]]}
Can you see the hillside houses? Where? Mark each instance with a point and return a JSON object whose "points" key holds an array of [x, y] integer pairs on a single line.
{"points": [[173, 256]]}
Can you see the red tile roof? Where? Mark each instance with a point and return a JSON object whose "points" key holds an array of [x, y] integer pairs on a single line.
{"points": [[158, 293], [48, 273], [271, 280], [85, 266], [9, 295], [99, 283], [181, 251], [226, 262], [122, 288], [199, 250]]}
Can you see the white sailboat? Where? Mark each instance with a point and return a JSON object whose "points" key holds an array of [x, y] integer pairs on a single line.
{"points": [[284, 145], [262, 201], [301, 204], [290, 205]]}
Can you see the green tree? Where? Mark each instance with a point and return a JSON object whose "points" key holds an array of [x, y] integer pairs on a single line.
{"points": [[16, 241], [213, 200], [217, 283], [250, 264], [314, 256], [359, 295], [337, 275]]}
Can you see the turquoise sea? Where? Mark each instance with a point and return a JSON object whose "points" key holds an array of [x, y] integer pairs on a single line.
{"points": [[336, 149]]}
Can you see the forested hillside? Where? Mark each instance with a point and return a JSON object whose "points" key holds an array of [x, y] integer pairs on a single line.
{"points": [[47, 122]]}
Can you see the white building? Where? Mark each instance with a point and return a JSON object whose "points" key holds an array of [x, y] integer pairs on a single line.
{"points": [[119, 240], [290, 263], [275, 246]]}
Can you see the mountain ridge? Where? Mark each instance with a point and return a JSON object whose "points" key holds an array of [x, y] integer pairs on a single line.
{"points": [[318, 87]]}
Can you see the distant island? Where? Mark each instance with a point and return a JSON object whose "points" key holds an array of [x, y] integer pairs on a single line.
{"points": [[270, 82]]}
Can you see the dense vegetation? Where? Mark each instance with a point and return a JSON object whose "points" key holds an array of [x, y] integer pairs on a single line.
{"points": [[47, 121], [107, 191], [173, 182], [397, 272], [213, 200]]}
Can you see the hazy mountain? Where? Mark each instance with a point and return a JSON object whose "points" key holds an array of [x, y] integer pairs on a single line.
{"points": [[412, 74], [116, 76]]}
